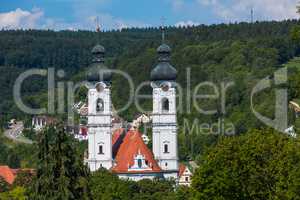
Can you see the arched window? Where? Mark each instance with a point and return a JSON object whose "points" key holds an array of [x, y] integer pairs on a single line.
{"points": [[166, 148], [101, 149], [165, 104], [100, 105]]}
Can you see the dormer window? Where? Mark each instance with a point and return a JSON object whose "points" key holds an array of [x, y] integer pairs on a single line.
{"points": [[140, 163], [165, 105], [100, 106]]}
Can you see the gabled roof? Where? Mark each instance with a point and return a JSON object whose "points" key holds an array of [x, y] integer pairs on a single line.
{"points": [[7, 174], [183, 168], [131, 146]]}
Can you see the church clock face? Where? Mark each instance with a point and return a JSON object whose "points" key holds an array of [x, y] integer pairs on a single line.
{"points": [[99, 87], [165, 87]]}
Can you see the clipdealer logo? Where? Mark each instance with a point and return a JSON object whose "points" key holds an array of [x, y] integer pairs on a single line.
{"points": [[278, 81]]}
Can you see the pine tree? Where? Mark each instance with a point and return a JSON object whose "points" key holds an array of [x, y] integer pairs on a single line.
{"points": [[61, 173], [4, 186], [23, 179]]}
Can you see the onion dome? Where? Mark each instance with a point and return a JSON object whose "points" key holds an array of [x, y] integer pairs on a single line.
{"points": [[98, 72], [164, 49], [98, 49], [164, 71]]}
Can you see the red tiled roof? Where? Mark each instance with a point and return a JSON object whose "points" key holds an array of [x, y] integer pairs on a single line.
{"points": [[7, 173], [182, 168], [132, 145]]}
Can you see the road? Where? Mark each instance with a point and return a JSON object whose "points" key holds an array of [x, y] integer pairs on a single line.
{"points": [[15, 133]]}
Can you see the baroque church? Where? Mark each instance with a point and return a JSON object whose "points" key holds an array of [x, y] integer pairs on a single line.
{"points": [[123, 151]]}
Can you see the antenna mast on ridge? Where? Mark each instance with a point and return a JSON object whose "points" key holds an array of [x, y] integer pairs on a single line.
{"points": [[252, 13]]}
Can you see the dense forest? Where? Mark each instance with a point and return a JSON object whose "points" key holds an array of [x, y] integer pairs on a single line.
{"points": [[241, 53]]}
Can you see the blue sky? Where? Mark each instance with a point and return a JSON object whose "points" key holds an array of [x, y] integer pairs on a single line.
{"points": [[81, 14]]}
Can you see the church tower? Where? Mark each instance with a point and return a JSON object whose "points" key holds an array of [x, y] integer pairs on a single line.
{"points": [[99, 112], [164, 122]]}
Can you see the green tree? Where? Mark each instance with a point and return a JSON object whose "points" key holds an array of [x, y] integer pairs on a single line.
{"points": [[23, 179], [61, 173], [183, 193], [261, 164], [4, 186], [295, 30], [30, 134], [17, 193], [105, 185], [154, 190]]}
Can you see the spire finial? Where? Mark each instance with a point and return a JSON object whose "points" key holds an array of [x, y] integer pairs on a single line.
{"points": [[163, 19], [97, 24], [252, 15]]}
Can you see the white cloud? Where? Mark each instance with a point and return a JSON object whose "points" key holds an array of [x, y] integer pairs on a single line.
{"points": [[109, 22], [20, 18], [186, 23], [35, 19], [207, 2], [177, 4], [237, 10]]}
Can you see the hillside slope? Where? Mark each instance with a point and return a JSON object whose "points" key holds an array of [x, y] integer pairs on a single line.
{"points": [[239, 53]]}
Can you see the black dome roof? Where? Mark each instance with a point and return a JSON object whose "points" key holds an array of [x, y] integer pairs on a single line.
{"points": [[163, 70], [98, 49], [98, 72], [164, 48]]}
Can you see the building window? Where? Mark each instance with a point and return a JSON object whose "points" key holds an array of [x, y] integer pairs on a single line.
{"points": [[101, 150], [166, 164], [140, 163], [100, 105], [166, 148], [186, 179], [165, 105]]}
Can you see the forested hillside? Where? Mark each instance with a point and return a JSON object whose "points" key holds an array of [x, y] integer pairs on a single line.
{"points": [[240, 53]]}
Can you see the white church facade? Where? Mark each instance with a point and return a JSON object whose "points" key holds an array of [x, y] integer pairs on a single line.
{"points": [[123, 151]]}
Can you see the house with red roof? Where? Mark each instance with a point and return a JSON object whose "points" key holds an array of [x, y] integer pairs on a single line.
{"points": [[7, 174], [185, 175]]}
